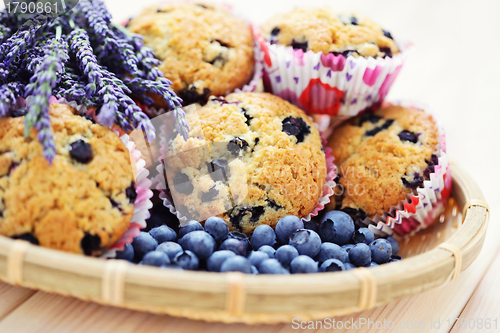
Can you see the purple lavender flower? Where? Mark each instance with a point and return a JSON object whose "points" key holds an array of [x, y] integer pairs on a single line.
{"points": [[8, 95], [106, 84], [99, 19], [40, 88], [23, 38]]}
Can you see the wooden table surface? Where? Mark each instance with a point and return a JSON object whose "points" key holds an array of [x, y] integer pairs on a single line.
{"points": [[455, 69]]}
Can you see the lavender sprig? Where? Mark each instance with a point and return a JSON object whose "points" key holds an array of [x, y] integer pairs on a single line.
{"points": [[40, 88], [106, 84], [23, 38], [8, 95], [99, 19], [104, 60]]}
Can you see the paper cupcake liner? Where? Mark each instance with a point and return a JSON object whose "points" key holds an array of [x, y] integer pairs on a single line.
{"points": [[168, 201], [142, 203], [327, 84], [142, 185], [424, 203], [329, 183]]}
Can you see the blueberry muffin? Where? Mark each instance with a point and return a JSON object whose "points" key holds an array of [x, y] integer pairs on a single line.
{"points": [[322, 30], [382, 157], [83, 202], [204, 50], [251, 158]]}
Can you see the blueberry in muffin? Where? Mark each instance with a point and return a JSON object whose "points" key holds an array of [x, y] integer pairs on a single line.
{"points": [[204, 49], [83, 202], [322, 30], [250, 158], [382, 157]]}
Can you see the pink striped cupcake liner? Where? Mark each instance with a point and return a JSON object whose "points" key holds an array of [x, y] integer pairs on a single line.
{"points": [[329, 86]]}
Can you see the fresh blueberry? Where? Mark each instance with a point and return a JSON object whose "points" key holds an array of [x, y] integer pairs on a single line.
{"points": [[372, 264], [236, 264], [189, 227], [336, 227], [408, 136], [217, 228], [287, 226], [199, 242], [394, 245], [307, 242], [363, 235], [143, 244], [234, 245], [163, 234], [348, 266], [170, 248], [127, 253], [215, 261], [360, 255], [187, 260], [381, 250], [348, 247], [263, 235], [303, 264], [269, 250], [285, 254], [256, 257], [332, 265], [354, 21], [156, 258], [272, 266], [182, 184], [236, 145], [81, 151], [331, 251], [241, 237], [218, 169], [255, 271]]}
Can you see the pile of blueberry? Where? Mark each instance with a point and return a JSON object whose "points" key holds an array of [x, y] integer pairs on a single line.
{"points": [[332, 244]]}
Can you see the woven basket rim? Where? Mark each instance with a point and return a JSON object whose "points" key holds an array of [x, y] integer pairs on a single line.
{"points": [[235, 297]]}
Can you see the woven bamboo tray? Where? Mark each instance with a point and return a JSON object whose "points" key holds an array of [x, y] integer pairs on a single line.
{"points": [[432, 258]]}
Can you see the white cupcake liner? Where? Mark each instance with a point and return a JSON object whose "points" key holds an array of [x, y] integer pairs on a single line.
{"points": [[143, 202], [327, 84], [168, 202], [426, 202], [329, 183]]}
